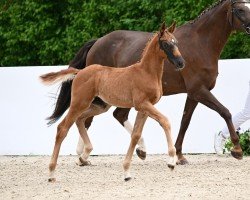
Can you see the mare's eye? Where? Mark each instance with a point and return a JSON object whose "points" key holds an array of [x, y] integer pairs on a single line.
{"points": [[241, 11]]}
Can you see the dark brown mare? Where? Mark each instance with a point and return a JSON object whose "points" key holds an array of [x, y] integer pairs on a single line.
{"points": [[124, 87], [201, 42]]}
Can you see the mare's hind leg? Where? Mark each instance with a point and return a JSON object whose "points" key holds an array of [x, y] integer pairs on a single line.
{"points": [[152, 112], [136, 135], [121, 114]]}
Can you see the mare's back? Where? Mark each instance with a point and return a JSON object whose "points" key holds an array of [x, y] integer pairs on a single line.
{"points": [[119, 48]]}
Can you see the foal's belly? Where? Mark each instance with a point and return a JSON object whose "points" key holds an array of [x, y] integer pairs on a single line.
{"points": [[118, 100]]}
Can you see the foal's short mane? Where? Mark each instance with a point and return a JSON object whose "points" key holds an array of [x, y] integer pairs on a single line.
{"points": [[147, 45], [206, 10]]}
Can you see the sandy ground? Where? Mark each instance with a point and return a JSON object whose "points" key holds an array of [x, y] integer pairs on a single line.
{"points": [[206, 177]]}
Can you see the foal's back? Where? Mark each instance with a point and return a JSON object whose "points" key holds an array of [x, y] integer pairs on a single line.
{"points": [[116, 86]]}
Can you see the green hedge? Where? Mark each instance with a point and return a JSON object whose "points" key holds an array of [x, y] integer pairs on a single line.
{"points": [[35, 32]]}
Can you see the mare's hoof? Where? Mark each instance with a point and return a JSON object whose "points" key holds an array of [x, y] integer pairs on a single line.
{"points": [[52, 180], [141, 154], [237, 154], [182, 161], [82, 162], [127, 179]]}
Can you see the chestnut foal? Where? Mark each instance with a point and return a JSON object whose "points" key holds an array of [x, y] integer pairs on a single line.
{"points": [[138, 86]]}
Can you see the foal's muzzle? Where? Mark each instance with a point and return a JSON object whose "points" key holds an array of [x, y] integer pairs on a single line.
{"points": [[179, 63]]}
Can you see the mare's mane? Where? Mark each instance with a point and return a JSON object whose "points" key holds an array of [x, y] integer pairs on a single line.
{"points": [[207, 10]]}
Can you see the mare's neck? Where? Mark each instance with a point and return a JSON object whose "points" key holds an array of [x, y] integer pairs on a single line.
{"points": [[214, 29], [153, 58]]}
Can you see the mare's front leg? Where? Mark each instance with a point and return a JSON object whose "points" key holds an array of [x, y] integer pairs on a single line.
{"points": [[189, 108], [135, 136], [121, 114], [205, 97]]}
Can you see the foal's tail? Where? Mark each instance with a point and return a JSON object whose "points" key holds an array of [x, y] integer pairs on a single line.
{"points": [[64, 97], [61, 76]]}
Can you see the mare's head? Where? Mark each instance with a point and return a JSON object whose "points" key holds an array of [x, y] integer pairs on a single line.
{"points": [[168, 44], [240, 15]]}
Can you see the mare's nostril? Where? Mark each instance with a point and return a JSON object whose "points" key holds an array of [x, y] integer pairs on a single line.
{"points": [[248, 30]]}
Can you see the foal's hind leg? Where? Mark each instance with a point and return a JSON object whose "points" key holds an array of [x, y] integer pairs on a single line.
{"points": [[62, 131], [152, 112], [79, 103], [121, 114]]}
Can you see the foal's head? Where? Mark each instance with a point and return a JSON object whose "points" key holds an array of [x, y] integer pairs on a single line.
{"points": [[168, 44]]}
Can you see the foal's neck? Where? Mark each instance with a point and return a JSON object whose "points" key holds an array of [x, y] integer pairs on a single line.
{"points": [[153, 57]]}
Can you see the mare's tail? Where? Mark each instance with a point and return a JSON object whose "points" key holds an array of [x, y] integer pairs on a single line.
{"points": [[64, 97], [61, 76]]}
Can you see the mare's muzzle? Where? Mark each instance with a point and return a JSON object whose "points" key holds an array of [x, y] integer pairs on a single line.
{"points": [[247, 28]]}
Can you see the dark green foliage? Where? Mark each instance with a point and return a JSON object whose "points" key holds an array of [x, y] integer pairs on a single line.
{"points": [[244, 142], [34, 32]]}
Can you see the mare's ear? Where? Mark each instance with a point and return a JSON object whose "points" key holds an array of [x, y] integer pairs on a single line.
{"points": [[162, 29], [172, 27]]}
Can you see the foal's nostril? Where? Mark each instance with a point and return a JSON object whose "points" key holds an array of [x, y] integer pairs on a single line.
{"points": [[180, 63]]}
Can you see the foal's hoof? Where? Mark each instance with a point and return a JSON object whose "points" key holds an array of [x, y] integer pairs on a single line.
{"points": [[141, 154], [172, 162], [171, 166], [237, 154], [82, 162], [127, 179], [52, 180]]}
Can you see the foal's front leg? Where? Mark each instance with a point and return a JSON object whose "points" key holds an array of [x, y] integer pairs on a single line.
{"points": [[83, 158], [136, 135], [80, 144], [164, 122], [84, 145]]}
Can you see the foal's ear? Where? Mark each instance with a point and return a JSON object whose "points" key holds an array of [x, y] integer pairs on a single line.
{"points": [[162, 29], [172, 27]]}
